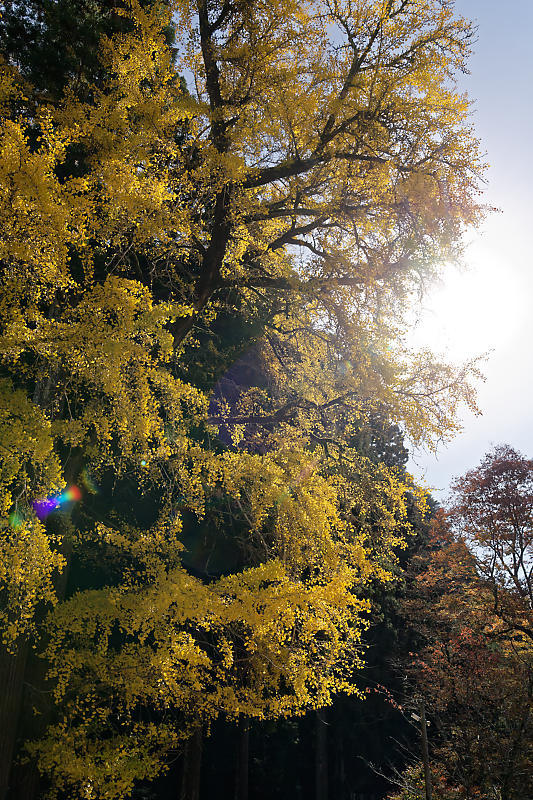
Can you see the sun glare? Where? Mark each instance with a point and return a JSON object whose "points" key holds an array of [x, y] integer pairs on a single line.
{"points": [[472, 311]]}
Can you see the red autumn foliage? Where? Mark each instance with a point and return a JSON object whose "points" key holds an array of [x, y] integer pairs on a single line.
{"points": [[492, 510], [468, 605]]}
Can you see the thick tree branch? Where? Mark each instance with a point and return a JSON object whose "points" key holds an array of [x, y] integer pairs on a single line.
{"points": [[212, 78], [298, 166]]}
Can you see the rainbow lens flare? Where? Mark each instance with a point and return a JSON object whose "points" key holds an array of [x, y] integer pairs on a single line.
{"points": [[15, 520], [44, 507], [88, 482]]}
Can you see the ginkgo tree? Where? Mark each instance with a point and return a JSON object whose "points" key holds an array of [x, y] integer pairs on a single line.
{"points": [[287, 174]]}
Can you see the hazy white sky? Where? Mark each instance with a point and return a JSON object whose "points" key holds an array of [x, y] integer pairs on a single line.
{"points": [[490, 308]]}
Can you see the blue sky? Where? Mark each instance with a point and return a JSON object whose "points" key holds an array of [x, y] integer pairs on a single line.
{"points": [[491, 306]]}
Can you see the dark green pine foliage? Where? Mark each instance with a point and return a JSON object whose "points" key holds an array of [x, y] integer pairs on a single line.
{"points": [[380, 441], [56, 42]]}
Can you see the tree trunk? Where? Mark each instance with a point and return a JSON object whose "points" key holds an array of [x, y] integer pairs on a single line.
{"points": [[192, 766], [12, 669], [321, 756], [425, 752], [28, 712], [36, 709], [241, 777], [339, 788]]}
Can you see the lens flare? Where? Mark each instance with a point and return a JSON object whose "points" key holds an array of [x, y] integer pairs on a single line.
{"points": [[44, 507], [88, 482], [300, 478], [15, 520]]}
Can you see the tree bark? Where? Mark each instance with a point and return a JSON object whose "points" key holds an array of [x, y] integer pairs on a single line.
{"points": [[12, 669], [425, 752], [243, 753], [340, 770], [321, 756], [29, 711], [192, 766]]}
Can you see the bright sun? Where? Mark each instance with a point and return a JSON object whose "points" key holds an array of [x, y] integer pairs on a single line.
{"points": [[472, 311]]}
